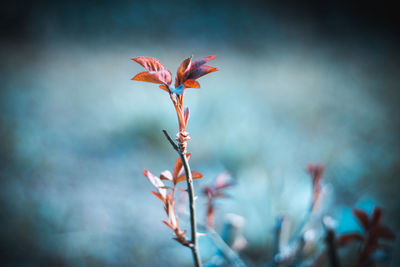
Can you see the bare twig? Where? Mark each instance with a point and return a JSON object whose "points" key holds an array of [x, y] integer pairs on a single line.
{"points": [[175, 146], [192, 209], [229, 254]]}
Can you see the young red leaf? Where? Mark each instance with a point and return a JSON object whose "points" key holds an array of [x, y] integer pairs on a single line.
{"points": [[178, 168], [384, 232], [166, 175], [164, 87], [156, 182], [210, 214], [347, 238], [160, 77], [221, 180], [362, 217], [186, 115], [200, 71], [191, 84], [171, 212], [201, 61], [183, 68], [195, 175], [376, 215], [220, 194], [158, 195], [149, 63]]}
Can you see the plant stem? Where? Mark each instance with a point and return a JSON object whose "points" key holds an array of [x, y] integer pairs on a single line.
{"points": [[228, 253], [192, 210], [331, 248], [277, 238]]}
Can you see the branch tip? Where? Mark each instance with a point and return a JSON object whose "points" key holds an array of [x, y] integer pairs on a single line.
{"points": [[175, 146]]}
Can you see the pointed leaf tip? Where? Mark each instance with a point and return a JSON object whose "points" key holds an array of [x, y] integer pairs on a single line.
{"points": [[362, 218], [166, 175], [195, 175], [385, 233], [201, 61], [191, 84], [156, 182], [200, 71], [149, 63], [159, 77]]}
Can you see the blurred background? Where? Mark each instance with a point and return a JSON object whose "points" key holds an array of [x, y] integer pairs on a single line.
{"points": [[298, 83]]}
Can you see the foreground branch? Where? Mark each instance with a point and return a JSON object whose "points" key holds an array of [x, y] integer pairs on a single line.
{"points": [[192, 208]]}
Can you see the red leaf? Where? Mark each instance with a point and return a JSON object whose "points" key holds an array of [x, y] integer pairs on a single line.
{"points": [[166, 175], [384, 232], [376, 216], [158, 195], [220, 194], [156, 182], [186, 115], [316, 171], [183, 68], [178, 168], [164, 87], [221, 180], [191, 84], [201, 61], [149, 63], [362, 218], [346, 238], [195, 175], [200, 71], [208, 191], [160, 77], [210, 215]]}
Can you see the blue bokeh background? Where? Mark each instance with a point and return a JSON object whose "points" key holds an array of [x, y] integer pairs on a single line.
{"points": [[297, 84]]}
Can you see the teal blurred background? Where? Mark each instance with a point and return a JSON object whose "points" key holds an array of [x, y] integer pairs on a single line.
{"points": [[297, 83]]}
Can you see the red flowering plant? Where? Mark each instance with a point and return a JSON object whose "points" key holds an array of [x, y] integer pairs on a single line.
{"points": [[186, 77]]}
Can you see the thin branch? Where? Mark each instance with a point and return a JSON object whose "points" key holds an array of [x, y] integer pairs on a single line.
{"points": [[277, 237], [175, 146], [192, 209], [331, 248], [229, 254]]}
